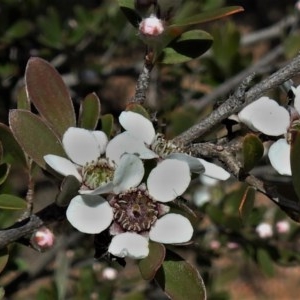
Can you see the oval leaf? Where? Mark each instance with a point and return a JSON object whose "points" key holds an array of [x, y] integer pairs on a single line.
{"points": [[22, 99], [150, 264], [89, 112], [68, 190], [12, 152], [265, 262], [12, 202], [35, 138], [253, 151], [127, 7], [49, 94], [295, 162], [137, 108], [3, 261], [187, 46], [179, 279], [107, 122]]}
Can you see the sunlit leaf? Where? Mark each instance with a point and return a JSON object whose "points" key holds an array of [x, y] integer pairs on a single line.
{"points": [[12, 152], [253, 151], [247, 203], [49, 94], [187, 46], [295, 162], [89, 112], [34, 136], [3, 260], [12, 202], [4, 171], [179, 279], [148, 266], [107, 122]]}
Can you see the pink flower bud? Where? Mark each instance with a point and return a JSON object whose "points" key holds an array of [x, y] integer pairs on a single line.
{"points": [[43, 238], [283, 226], [151, 26]]}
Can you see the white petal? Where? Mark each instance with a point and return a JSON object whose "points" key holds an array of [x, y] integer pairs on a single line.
{"points": [[193, 162], [168, 180], [138, 126], [279, 155], [267, 116], [296, 92], [82, 145], [89, 214], [126, 143], [62, 165], [171, 229], [128, 174], [101, 139], [103, 189], [208, 181], [129, 244], [214, 171], [201, 196]]}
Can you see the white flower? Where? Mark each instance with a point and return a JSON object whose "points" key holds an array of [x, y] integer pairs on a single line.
{"points": [[84, 148], [137, 214], [283, 226], [264, 230], [279, 155], [140, 138], [266, 116], [151, 26]]}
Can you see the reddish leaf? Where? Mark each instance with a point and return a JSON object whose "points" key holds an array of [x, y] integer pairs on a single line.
{"points": [[149, 265], [49, 94], [34, 136]]}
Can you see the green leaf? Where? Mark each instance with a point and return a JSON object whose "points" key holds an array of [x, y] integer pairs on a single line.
{"points": [[265, 262], [4, 171], [89, 112], [34, 136], [247, 203], [68, 190], [107, 122], [12, 202], [49, 94], [22, 99], [18, 30], [2, 293], [12, 152], [179, 279], [295, 162], [187, 46], [292, 45], [253, 151], [127, 7], [207, 16], [150, 264], [3, 262], [138, 108]]}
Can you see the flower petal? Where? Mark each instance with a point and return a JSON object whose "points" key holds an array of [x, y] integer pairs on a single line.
{"points": [[62, 165], [89, 214], [128, 174], [214, 171], [168, 180], [101, 139], [103, 189], [279, 155], [126, 143], [193, 162], [171, 229], [267, 116], [138, 126], [83, 145], [129, 244]]}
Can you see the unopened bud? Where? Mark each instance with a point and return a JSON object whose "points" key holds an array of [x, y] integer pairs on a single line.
{"points": [[264, 230], [151, 27], [43, 239], [283, 226]]}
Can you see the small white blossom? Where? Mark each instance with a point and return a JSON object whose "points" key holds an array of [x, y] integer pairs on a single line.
{"points": [[283, 226], [151, 26], [264, 230], [137, 214], [279, 155]]}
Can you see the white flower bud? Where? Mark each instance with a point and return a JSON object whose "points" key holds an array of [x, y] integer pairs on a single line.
{"points": [[264, 230], [151, 27]]}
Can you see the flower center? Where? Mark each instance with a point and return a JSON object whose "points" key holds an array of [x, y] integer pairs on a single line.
{"points": [[163, 147], [97, 173], [135, 210]]}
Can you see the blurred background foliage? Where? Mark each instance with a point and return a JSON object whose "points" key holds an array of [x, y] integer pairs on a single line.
{"points": [[96, 50]]}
